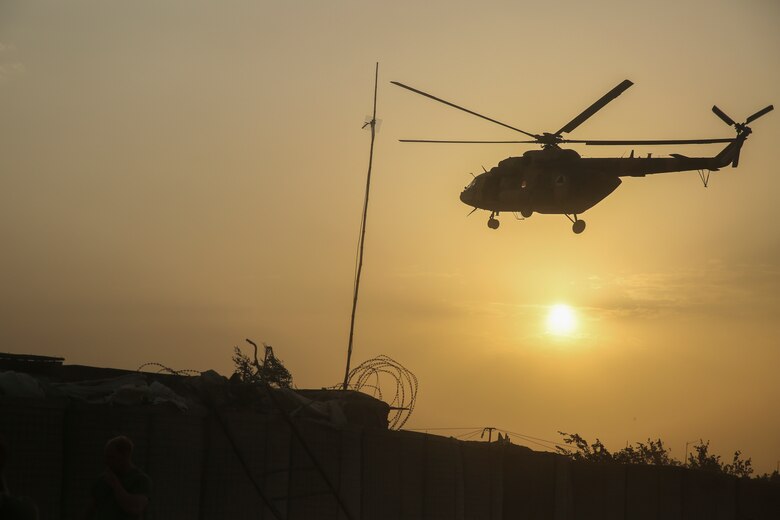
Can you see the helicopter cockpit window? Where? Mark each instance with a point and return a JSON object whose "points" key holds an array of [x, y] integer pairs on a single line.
{"points": [[472, 183]]}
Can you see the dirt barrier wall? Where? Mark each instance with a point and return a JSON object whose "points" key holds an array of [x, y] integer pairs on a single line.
{"points": [[56, 454]]}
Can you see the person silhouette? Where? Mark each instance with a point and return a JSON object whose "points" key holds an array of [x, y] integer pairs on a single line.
{"points": [[122, 490]]}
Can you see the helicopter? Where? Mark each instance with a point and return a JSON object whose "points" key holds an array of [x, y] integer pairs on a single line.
{"points": [[559, 181]]}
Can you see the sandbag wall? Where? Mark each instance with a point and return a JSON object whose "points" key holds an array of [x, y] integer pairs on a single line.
{"points": [[201, 466]]}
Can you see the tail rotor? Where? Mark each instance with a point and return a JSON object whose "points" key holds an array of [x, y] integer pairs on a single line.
{"points": [[743, 130], [741, 127]]}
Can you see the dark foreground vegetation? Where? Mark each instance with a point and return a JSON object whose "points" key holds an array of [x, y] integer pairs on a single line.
{"points": [[655, 453]]}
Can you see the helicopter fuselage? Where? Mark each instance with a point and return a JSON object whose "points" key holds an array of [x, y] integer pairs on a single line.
{"points": [[559, 181]]}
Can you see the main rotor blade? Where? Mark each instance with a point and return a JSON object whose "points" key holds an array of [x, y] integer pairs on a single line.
{"points": [[453, 105], [721, 114], [652, 142], [462, 142], [759, 114], [595, 107], [582, 141]]}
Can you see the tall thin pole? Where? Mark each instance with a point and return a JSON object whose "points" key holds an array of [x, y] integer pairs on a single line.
{"points": [[685, 457], [362, 240]]}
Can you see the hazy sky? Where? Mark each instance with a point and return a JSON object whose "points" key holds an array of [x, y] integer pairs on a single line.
{"points": [[176, 176]]}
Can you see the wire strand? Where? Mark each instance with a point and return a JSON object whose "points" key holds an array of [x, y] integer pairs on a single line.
{"points": [[371, 373]]}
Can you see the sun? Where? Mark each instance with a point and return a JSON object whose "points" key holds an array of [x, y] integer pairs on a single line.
{"points": [[561, 320]]}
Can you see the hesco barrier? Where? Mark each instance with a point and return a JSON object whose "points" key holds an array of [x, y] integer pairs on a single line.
{"points": [[55, 454]]}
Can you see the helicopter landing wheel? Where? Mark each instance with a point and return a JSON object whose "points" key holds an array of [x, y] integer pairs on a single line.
{"points": [[578, 226], [526, 213], [493, 223]]}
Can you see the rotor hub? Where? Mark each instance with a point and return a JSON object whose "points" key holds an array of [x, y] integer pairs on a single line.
{"points": [[548, 140]]}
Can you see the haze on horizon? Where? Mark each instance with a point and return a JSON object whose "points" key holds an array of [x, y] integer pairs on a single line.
{"points": [[177, 176]]}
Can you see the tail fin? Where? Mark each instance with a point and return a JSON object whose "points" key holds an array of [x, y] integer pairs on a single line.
{"points": [[730, 154]]}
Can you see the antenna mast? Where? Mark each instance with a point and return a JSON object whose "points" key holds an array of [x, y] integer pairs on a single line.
{"points": [[361, 241]]}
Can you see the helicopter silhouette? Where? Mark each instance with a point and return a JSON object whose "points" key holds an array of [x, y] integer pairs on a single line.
{"points": [[559, 181]]}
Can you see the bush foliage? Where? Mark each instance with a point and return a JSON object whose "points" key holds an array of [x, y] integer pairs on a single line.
{"points": [[270, 371], [655, 453]]}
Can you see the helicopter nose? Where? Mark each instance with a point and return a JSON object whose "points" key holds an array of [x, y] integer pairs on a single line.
{"points": [[468, 197]]}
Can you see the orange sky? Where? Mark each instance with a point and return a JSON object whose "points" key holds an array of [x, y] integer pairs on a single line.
{"points": [[177, 176]]}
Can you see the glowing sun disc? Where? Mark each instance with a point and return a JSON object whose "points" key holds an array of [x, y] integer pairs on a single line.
{"points": [[561, 320]]}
